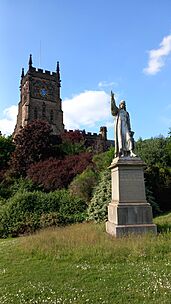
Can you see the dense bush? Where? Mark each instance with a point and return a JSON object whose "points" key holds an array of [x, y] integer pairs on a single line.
{"points": [[97, 209], [83, 184], [26, 212], [56, 174], [103, 160], [9, 186]]}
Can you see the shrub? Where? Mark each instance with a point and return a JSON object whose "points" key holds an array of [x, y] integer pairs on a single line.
{"points": [[26, 212], [103, 160], [83, 184], [97, 210], [9, 186], [56, 174], [49, 219]]}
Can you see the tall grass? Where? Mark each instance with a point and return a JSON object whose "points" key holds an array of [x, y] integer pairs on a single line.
{"points": [[82, 264]]}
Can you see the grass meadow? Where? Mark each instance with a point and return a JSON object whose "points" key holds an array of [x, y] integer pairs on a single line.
{"points": [[82, 264]]}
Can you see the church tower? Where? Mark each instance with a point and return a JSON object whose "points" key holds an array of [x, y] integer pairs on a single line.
{"points": [[40, 98]]}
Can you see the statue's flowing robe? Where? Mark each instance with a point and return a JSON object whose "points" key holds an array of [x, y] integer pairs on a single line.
{"points": [[123, 140]]}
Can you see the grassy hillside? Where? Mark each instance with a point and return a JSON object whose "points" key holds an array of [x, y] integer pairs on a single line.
{"points": [[82, 264]]}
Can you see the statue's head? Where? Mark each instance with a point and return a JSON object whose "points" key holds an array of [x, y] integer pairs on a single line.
{"points": [[122, 105]]}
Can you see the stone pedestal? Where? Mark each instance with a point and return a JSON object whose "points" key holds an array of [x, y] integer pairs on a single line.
{"points": [[129, 211]]}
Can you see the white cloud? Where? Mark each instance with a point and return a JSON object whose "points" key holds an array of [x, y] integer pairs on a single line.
{"points": [[157, 56], [103, 84], [7, 123], [86, 109]]}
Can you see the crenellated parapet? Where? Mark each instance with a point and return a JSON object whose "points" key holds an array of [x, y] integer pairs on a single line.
{"points": [[40, 98], [98, 141]]}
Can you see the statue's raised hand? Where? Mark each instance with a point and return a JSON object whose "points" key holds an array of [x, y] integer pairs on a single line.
{"points": [[112, 95]]}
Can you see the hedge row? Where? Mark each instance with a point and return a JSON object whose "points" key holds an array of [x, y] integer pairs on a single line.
{"points": [[26, 211]]}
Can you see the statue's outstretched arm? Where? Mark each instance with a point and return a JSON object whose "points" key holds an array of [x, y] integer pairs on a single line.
{"points": [[114, 108]]}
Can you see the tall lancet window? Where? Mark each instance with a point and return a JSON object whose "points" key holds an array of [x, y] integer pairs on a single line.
{"points": [[51, 116], [43, 110], [35, 113]]}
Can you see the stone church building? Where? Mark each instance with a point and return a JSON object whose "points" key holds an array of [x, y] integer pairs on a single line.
{"points": [[40, 99]]}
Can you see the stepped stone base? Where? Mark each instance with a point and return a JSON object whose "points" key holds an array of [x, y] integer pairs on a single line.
{"points": [[122, 230], [129, 211]]}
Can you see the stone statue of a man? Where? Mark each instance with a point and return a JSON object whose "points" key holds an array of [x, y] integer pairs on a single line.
{"points": [[124, 142]]}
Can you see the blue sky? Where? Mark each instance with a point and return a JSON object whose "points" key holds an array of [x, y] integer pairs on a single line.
{"points": [[102, 45]]}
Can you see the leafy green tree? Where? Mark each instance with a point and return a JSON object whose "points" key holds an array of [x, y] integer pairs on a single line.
{"points": [[153, 151], [156, 152], [72, 142], [168, 147], [6, 149]]}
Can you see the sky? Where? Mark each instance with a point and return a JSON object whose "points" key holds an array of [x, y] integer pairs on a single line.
{"points": [[101, 45]]}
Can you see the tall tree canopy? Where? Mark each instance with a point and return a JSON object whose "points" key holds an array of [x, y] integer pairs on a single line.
{"points": [[32, 145]]}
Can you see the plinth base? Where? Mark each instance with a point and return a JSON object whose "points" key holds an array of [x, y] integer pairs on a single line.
{"points": [[129, 212], [123, 230]]}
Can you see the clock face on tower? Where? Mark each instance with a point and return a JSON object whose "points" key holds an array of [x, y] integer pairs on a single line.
{"points": [[43, 90]]}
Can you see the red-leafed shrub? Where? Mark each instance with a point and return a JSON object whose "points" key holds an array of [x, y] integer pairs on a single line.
{"points": [[56, 174]]}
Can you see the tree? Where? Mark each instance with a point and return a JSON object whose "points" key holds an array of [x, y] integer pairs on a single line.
{"points": [[72, 142], [55, 173], [156, 152], [32, 145], [6, 149], [153, 151]]}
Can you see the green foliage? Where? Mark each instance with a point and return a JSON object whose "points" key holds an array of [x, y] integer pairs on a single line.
{"points": [[158, 180], [68, 148], [26, 211], [168, 146], [72, 143], [153, 151], [156, 152], [103, 160], [9, 186], [6, 148], [83, 184], [163, 223], [97, 210], [151, 200]]}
